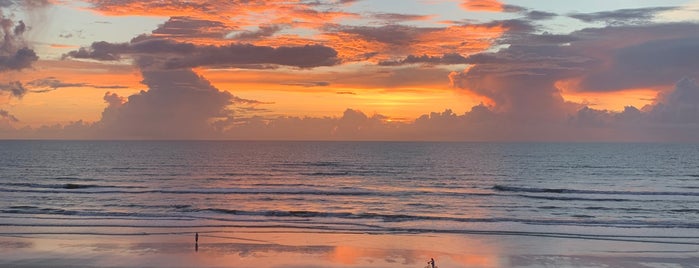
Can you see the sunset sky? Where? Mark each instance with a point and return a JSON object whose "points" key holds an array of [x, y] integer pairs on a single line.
{"points": [[467, 70]]}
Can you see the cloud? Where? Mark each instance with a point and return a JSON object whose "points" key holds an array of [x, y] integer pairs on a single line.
{"points": [[7, 116], [540, 15], [262, 32], [352, 125], [170, 8], [424, 59], [647, 64], [14, 55], [523, 82], [167, 111], [16, 60], [389, 34], [14, 52], [186, 27], [171, 54], [179, 104], [239, 13], [14, 88], [52, 83], [622, 16], [307, 56], [392, 18], [679, 106], [489, 5], [594, 60], [309, 84], [388, 42]]}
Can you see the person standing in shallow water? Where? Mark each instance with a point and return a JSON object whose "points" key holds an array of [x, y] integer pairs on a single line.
{"points": [[196, 242]]}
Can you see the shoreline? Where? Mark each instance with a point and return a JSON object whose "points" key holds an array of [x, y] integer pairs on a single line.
{"points": [[285, 248]]}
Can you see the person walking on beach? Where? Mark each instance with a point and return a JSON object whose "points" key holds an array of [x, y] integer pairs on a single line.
{"points": [[431, 263]]}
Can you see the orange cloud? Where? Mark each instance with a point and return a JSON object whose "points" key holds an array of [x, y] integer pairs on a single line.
{"points": [[465, 40], [233, 14], [62, 46], [483, 5], [271, 23], [376, 44]]}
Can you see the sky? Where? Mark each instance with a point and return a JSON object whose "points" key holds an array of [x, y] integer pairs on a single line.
{"points": [[403, 70]]}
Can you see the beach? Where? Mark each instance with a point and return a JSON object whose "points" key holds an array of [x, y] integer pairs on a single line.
{"points": [[347, 204], [290, 248]]}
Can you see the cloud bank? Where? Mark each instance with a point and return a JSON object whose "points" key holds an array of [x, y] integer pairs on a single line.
{"points": [[182, 105]]}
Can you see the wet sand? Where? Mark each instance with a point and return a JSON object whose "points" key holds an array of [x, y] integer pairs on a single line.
{"points": [[251, 247]]}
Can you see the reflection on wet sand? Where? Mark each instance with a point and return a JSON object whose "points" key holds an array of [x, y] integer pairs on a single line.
{"points": [[281, 248], [273, 249]]}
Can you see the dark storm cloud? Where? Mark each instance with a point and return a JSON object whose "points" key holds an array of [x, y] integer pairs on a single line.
{"points": [[621, 16], [173, 54]]}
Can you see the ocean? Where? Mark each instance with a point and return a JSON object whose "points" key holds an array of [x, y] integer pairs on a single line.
{"points": [[632, 192]]}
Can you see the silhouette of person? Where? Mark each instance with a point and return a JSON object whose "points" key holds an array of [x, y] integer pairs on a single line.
{"points": [[196, 242], [431, 263]]}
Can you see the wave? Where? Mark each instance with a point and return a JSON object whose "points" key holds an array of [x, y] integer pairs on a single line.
{"points": [[67, 185], [72, 179], [314, 218], [101, 189], [568, 198], [185, 213], [337, 173], [186, 230], [505, 188], [576, 220], [312, 164], [33, 210]]}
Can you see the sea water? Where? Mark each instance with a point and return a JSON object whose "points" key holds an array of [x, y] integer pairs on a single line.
{"points": [[648, 193]]}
